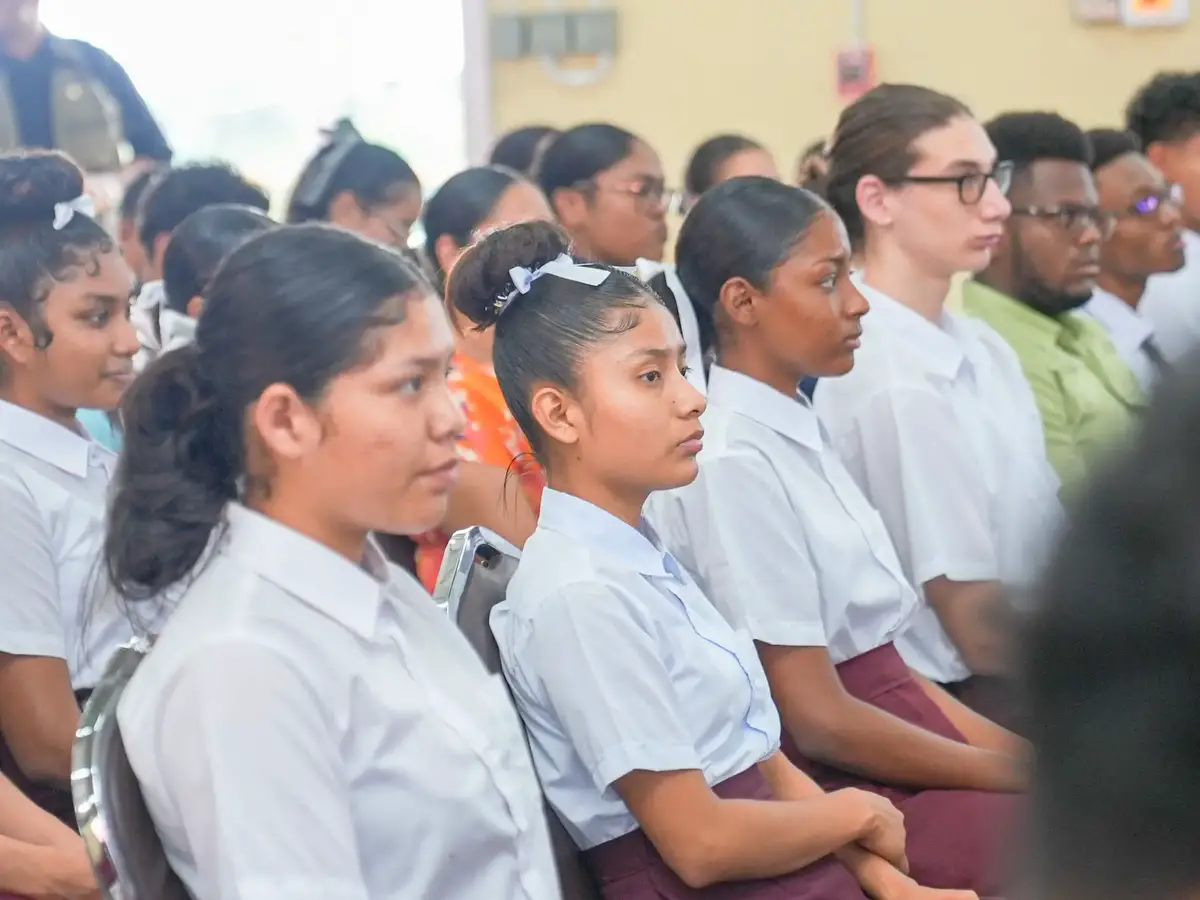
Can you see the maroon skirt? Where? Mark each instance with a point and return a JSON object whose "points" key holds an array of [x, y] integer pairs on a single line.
{"points": [[956, 839], [629, 868]]}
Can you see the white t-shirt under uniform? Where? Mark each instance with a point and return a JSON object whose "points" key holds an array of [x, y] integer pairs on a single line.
{"points": [[776, 532], [310, 728], [938, 426]]}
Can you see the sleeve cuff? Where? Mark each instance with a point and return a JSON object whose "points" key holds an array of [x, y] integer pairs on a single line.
{"points": [[963, 569], [619, 761], [32, 643], [787, 634]]}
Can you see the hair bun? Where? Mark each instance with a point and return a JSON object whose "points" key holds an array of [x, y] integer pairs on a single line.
{"points": [[481, 275], [33, 182]]}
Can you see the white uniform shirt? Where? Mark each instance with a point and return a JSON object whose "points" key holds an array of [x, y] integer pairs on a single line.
{"points": [[144, 316], [307, 728], [689, 326], [776, 532], [1172, 303], [618, 664], [940, 429], [1130, 331], [54, 596]]}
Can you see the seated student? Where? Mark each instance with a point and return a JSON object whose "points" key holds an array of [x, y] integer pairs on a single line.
{"points": [[722, 157], [500, 485], [780, 538], [1113, 683], [171, 198], [65, 344], [127, 230], [309, 724], [197, 247], [39, 856], [936, 422], [650, 718], [606, 187], [521, 148], [1037, 280], [1146, 240], [362, 187]]}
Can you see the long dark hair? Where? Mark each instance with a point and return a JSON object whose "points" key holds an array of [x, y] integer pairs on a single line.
{"points": [[294, 305]]}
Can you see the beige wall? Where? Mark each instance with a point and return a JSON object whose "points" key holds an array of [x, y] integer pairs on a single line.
{"points": [[690, 68]]}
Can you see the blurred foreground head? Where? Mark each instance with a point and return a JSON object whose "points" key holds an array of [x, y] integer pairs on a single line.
{"points": [[1114, 673]]}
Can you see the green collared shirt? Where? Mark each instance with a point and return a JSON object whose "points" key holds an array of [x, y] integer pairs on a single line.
{"points": [[1087, 395]]}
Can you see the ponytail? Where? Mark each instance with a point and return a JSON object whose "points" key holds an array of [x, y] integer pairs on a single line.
{"points": [[180, 465]]}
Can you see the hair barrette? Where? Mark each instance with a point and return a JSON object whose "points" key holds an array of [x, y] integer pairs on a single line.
{"points": [[65, 212], [560, 267]]}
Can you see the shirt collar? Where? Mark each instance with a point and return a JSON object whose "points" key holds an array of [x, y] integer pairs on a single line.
{"points": [[604, 534], [178, 330], [1033, 325], [1118, 317], [46, 440], [328, 582], [152, 296], [939, 346], [792, 417]]}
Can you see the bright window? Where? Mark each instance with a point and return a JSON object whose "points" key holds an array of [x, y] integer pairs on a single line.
{"points": [[253, 81]]}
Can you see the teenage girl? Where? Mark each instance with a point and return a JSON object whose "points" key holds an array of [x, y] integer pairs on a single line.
{"points": [[650, 718], [777, 533], [309, 724], [65, 344]]}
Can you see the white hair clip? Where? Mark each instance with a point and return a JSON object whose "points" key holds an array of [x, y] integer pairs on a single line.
{"points": [[560, 267], [65, 212]]}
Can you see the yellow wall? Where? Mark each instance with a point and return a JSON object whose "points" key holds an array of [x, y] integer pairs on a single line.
{"points": [[687, 69]]}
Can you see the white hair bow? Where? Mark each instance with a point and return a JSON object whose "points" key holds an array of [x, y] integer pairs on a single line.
{"points": [[65, 212], [560, 267]]}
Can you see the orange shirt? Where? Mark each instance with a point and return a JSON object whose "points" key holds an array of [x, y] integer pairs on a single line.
{"points": [[491, 437]]}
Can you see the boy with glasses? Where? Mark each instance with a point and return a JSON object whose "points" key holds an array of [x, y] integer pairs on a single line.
{"points": [[1043, 271], [1146, 239]]}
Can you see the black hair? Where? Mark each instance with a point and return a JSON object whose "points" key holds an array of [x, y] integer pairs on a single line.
{"points": [[874, 136], [707, 159], [542, 335], [136, 190], [460, 205], [293, 305], [347, 163], [1112, 664], [1166, 109], [743, 228], [33, 253], [177, 193], [581, 153], [199, 244], [1024, 138], [519, 150], [1109, 144]]}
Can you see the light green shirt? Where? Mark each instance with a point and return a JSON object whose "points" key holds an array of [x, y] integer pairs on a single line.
{"points": [[1088, 397]]}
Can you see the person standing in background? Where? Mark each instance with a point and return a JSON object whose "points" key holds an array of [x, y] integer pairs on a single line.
{"points": [[1165, 114], [62, 94]]}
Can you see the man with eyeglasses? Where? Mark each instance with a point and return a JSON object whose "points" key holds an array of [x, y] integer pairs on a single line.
{"points": [[1044, 270], [1165, 115], [1146, 240]]}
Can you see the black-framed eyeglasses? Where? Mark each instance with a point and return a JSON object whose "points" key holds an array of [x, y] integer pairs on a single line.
{"points": [[1148, 206], [1071, 217], [971, 185]]}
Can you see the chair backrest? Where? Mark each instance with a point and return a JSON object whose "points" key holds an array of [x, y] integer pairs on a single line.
{"points": [[474, 576], [126, 854]]}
